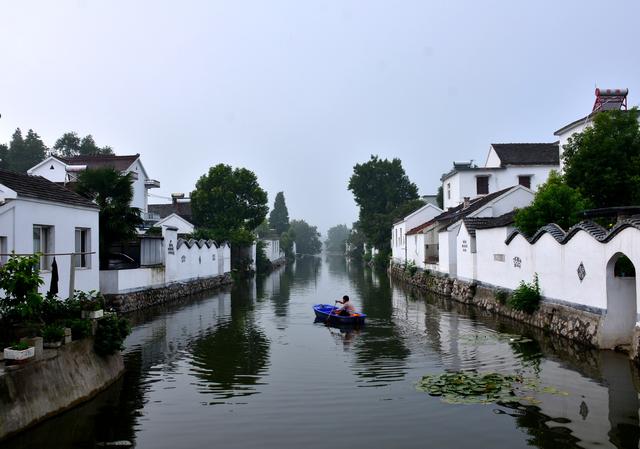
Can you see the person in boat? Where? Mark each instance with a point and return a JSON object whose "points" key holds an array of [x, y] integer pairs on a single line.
{"points": [[347, 308]]}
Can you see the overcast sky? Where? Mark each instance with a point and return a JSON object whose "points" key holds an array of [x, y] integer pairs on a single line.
{"points": [[299, 91]]}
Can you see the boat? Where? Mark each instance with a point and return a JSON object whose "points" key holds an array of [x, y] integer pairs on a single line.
{"points": [[329, 314]]}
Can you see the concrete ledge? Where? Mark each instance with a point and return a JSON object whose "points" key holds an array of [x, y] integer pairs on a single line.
{"points": [[60, 380], [141, 299]]}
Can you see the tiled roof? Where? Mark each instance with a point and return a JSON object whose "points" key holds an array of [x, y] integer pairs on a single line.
{"points": [[528, 153], [459, 212], [40, 188], [120, 163], [473, 223], [183, 209]]}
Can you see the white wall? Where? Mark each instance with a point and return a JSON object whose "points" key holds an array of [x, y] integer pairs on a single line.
{"points": [[398, 242], [17, 218], [56, 174], [401, 249], [123, 281], [139, 190], [557, 265], [272, 249], [176, 221], [466, 258], [499, 179]]}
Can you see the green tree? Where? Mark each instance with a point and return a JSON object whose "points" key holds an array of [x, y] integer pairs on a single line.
{"points": [[4, 151], [24, 153], [440, 197], [279, 216], [603, 161], [555, 202], [113, 193], [229, 203], [337, 238], [380, 187], [307, 237], [287, 239], [70, 144], [356, 241]]}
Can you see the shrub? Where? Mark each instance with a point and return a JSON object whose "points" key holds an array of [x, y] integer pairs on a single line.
{"points": [[501, 296], [20, 346], [52, 332], [367, 257], [79, 328], [110, 335], [410, 268], [20, 279], [262, 262], [527, 296], [381, 259], [89, 301]]}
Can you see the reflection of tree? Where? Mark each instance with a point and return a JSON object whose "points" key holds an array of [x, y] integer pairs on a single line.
{"points": [[307, 270], [337, 265], [381, 353], [230, 358]]}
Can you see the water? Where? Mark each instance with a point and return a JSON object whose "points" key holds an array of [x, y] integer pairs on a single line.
{"points": [[249, 368]]}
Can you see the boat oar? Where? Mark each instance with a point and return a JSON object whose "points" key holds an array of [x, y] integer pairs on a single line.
{"points": [[329, 317]]}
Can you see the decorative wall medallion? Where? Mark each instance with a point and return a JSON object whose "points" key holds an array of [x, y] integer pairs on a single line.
{"points": [[183, 259], [465, 245], [517, 262], [170, 248], [582, 273]]}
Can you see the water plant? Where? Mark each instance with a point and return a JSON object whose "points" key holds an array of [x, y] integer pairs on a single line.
{"points": [[410, 268], [527, 296], [470, 387]]}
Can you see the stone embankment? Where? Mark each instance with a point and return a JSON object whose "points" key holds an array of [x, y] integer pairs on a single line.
{"points": [[58, 380], [128, 302], [578, 324]]}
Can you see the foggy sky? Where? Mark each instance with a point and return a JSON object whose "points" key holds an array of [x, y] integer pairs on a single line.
{"points": [[299, 91]]}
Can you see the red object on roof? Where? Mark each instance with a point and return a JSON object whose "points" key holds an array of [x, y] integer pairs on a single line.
{"points": [[610, 99]]}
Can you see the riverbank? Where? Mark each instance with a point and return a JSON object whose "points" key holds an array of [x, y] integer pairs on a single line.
{"points": [[569, 321], [142, 299], [61, 379]]}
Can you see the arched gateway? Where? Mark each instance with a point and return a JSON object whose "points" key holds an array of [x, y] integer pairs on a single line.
{"points": [[620, 319]]}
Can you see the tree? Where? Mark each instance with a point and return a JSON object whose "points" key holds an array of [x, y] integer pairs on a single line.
{"points": [[279, 216], [287, 239], [380, 187], [307, 237], [356, 242], [25, 153], [337, 238], [555, 202], [440, 197], [70, 144], [4, 151], [113, 193], [229, 204], [603, 161]]}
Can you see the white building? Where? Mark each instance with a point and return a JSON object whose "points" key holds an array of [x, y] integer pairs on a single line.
{"points": [[442, 245], [506, 165], [65, 170], [272, 248], [39, 216], [403, 250]]}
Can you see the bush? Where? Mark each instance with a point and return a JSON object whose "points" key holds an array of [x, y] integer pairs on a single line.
{"points": [[89, 301], [501, 296], [52, 333], [526, 297], [410, 268], [20, 279], [110, 335], [381, 260], [367, 257], [262, 262], [79, 328]]}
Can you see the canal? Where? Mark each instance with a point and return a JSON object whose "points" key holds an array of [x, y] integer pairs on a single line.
{"points": [[248, 367]]}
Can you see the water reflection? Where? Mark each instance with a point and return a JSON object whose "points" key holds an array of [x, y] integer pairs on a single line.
{"points": [[293, 379]]}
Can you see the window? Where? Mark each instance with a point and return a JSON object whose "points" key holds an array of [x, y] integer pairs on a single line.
{"points": [[482, 185], [43, 244], [3, 250], [448, 190], [525, 181], [83, 246]]}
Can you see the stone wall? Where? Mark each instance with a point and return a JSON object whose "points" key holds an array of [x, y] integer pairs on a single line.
{"points": [[61, 379], [577, 324], [128, 302]]}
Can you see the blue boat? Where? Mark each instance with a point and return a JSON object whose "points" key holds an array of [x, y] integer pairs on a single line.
{"points": [[328, 313]]}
